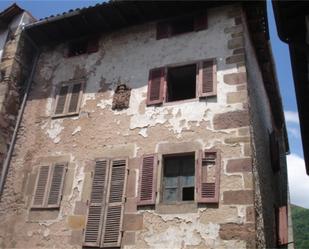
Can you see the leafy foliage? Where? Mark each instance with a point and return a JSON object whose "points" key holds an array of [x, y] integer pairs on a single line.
{"points": [[300, 218]]}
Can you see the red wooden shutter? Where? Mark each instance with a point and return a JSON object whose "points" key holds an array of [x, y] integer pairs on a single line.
{"points": [[92, 236], [200, 21], [93, 45], [207, 78], [75, 96], [208, 176], [112, 229], [61, 99], [148, 180], [156, 86], [56, 185], [41, 187], [283, 225], [162, 30]]}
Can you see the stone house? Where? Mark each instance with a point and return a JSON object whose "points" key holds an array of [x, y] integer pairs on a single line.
{"points": [[15, 58], [149, 125]]}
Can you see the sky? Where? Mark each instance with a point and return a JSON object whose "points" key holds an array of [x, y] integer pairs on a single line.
{"points": [[298, 180]]}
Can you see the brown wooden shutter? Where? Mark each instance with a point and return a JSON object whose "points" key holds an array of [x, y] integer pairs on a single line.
{"points": [[207, 84], [283, 226], [61, 99], [112, 229], [156, 86], [148, 180], [92, 236], [41, 187], [274, 151], [200, 21], [75, 98], [93, 45], [56, 185], [208, 176], [162, 30]]}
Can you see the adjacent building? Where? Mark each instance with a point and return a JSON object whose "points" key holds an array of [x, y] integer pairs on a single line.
{"points": [[150, 125]]}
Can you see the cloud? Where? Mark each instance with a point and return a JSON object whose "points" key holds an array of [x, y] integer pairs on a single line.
{"points": [[294, 132], [298, 180], [291, 117]]}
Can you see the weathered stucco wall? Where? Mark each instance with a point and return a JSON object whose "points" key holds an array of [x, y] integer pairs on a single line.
{"points": [[126, 56], [270, 187]]}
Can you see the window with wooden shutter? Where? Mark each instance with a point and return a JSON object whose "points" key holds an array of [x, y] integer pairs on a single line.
{"points": [[49, 186], [148, 180], [156, 85], [82, 46], [112, 229], [92, 235], [207, 82], [282, 225], [104, 220], [68, 99], [208, 176], [182, 24]]}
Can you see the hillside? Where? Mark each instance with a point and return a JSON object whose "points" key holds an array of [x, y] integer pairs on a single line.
{"points": [[300, 218]]}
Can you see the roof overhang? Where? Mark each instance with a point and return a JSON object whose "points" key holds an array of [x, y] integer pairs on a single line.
{"points": [[291, 26], [8, 14]]}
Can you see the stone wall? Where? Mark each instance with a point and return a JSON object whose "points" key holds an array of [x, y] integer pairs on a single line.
{"points": [[126, 56], [15, 67], [270, 187]]}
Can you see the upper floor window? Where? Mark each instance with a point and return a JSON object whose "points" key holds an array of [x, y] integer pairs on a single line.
{"points": [[82, 46], [173, 83], [68, 99], [180, 25]]}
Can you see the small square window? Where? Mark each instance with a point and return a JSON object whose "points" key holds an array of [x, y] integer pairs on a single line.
{"points": [[178, 178], [82, 46], [181, 83]]}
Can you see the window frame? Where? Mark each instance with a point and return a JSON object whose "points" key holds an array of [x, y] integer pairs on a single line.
{"points": [[199, 94], [162, 181], [70, 85], [91, 45], [51, 168]]}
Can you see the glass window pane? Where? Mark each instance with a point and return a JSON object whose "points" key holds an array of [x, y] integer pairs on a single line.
{"points": [[170, 194], [171, 182], [188, 181]]}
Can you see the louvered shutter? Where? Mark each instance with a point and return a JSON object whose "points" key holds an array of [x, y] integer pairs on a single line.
{"points": [[200, 21], [283, 226], [112, 229], [75, 97], [208, 176], [93, 45], [148, 180], [61, 99], [92, 235], [41, 187], [156, 85], [162, 30], [207, 78], [56, 185]]}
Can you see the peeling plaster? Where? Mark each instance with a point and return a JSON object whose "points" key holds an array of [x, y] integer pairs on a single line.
{"points": [[54, 130]]}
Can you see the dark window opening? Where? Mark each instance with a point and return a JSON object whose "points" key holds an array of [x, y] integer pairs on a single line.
{"points": [[182, 25], [181, 83], [78, 47], [179, 178]]}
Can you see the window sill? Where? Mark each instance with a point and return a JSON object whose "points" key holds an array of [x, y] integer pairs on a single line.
{"points": [[177, 207], [72, 114]]}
